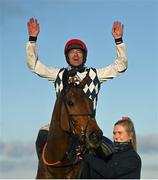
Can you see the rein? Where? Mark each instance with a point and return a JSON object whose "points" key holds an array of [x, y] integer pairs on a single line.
{"points": [[57, 163], [82, 134], [72, 129], [72, 125]]}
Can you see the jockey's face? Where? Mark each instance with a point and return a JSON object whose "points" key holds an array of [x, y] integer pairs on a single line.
{"points": [[120, 134], [75, 57]]}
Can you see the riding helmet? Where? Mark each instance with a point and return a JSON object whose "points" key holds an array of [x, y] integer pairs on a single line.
{"points": [[75, 44]]}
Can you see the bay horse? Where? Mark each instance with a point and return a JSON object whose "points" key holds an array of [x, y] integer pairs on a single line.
{"points": [[71, 123]]}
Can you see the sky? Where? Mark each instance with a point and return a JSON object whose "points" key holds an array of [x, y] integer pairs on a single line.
{"points": [[26, 100]]}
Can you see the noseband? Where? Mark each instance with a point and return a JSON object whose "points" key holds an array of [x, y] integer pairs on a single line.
{"points": [[72, 124], [71, 118]]}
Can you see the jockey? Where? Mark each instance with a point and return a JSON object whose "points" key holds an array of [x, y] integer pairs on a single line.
{"points": [[76, 55]]}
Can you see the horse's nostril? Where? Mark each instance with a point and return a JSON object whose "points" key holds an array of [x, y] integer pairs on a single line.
{"points": [[94, 136]]}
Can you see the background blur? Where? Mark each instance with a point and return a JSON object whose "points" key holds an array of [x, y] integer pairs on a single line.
{"points": [[26, 100]]}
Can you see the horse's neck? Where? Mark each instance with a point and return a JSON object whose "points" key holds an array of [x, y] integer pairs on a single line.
{"points": [[57, 146], [58, 141]]}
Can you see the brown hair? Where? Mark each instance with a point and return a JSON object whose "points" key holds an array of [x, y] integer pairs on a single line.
{"points": [[129, 126]]}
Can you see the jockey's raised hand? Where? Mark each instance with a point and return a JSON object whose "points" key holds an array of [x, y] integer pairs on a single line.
{"points": [[75, 51], [33, 27], [117, 30]]}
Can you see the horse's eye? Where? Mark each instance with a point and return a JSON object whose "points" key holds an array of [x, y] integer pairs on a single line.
{"points": [[70, 103]]}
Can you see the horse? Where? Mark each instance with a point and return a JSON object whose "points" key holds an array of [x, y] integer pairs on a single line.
{"points": [[71, 123]]}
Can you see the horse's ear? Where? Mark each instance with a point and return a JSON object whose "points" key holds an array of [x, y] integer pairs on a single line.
{"points": [[64, 118]]}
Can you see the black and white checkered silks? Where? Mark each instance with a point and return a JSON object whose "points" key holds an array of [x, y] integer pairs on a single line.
{"points": [[91, 88]]}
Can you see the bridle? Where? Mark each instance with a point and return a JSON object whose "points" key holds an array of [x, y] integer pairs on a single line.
{"points": [[72, 121], [73, 125]]}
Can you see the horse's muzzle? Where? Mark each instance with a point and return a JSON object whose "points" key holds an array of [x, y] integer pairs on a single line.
{"points": [[94, 139]]}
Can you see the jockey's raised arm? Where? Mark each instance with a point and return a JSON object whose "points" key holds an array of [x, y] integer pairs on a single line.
{"points": [[76, 56]]}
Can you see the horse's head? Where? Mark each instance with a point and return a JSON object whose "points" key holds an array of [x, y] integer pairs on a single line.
{"points": [[76, 117], [72, 117]]}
